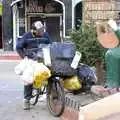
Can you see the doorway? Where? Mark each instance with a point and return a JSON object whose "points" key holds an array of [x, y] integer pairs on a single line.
{"points": [[53, 27]]}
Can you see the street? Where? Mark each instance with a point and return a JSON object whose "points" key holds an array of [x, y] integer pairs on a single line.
{"points": [[11, 97]]}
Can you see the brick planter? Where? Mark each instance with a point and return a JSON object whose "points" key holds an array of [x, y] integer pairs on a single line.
{"points": [[71, 111], [73, 104], [70, 114], [91, 108]]}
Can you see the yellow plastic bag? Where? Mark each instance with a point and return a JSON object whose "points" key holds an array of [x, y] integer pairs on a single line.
{"points": [[41, 75], [40, 79], [72, 83]]}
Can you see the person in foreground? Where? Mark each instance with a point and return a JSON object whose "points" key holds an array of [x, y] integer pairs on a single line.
{"points": [[29, 41]]}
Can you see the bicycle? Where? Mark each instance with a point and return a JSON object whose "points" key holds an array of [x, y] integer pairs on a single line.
{"points": [[55, 95], [54, 88]]}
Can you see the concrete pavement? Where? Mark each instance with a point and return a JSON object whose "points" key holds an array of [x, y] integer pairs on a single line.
{"points": [[11, 97], [11, 92]]}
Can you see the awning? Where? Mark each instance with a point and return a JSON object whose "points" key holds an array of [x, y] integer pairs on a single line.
{"points": [[14, 2]]}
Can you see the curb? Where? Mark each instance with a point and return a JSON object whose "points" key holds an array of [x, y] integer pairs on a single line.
{"points": [[9, 56]]}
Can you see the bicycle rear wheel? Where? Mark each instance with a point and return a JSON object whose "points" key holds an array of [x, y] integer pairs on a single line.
{"points": [[55, 98]]}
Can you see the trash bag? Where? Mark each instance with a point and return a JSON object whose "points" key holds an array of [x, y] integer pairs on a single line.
{"points": [[72, 83], [65, 50], [27, 76], [58, 50], [87, 75], [25, 70], [63, 67], [32, 72], [40, 78], [62, 55], [41, 75], [21, 66]]}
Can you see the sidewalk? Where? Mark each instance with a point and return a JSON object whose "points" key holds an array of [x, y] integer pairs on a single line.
{"points": [[73, 102], [12, 110]]}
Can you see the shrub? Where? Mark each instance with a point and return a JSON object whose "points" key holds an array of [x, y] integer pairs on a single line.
{"points": [[86, 42]]}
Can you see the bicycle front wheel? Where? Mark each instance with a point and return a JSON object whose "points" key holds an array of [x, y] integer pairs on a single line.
{"points": [[55, 98]]}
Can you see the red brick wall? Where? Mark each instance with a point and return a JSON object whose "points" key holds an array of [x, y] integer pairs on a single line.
{"points": [[70, 114], [100, 10]]}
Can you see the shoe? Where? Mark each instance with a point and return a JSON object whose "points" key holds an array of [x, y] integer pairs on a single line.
{"points": [[26, 105]]}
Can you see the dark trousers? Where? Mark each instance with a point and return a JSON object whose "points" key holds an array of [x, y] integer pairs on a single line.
{"points": [[28, 91]]}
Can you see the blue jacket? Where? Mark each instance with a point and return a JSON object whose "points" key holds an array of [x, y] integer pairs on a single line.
{"points": [[28, 42]]}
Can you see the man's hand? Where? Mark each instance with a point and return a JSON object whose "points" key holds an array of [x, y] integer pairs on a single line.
{"points": [[21, 55]]}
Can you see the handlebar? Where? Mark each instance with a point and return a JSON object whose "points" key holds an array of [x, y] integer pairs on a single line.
{"points": [[36, 51]]}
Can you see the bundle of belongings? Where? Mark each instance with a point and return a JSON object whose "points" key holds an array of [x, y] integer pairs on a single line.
{"points": [[32, 72], [59, 57], [64, 60]]}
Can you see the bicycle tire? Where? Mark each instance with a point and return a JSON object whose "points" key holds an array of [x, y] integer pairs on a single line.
{"points": [[49, 92]]}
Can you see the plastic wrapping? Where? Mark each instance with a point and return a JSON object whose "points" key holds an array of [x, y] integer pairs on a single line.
{"points": [[32, 72], [41, 74], [40, 78], [72, 83]]}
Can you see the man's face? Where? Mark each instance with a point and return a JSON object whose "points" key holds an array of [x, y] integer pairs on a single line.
{"points": [[39, 32]]}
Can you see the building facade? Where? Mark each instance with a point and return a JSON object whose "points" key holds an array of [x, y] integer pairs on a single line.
{"points": [[58, 16], [101, 10], [1, 25]]}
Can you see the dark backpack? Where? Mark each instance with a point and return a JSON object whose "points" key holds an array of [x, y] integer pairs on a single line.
{"points": [[86, 75]]}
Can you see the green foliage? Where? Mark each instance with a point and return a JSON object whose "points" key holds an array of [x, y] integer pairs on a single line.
{"points": [[86, 42]]}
